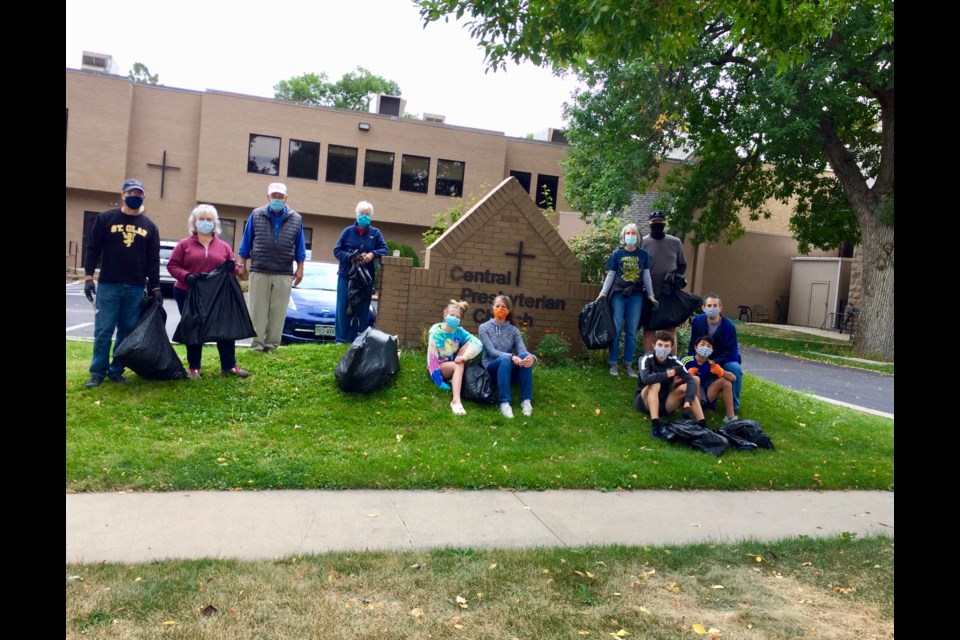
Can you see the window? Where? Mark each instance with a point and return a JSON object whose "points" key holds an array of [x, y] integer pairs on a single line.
{"points": [[414, 173], [304, 160], [523, 177], [264, 155], [228, 231], [341, 164], [378, 169], [546, 196], [450, 178], [308, 238]]}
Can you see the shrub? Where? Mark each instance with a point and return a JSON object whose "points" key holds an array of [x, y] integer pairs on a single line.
{"points": [[406, 251], [554, 348]]}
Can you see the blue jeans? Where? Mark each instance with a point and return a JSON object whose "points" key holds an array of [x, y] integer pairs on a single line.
{"points": [[118, 307], [626, 317], [737, 370], [227, 348], [505, 373], [347, 327]]}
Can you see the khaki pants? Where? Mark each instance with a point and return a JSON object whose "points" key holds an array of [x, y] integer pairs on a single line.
{"points": [[269, 296]]}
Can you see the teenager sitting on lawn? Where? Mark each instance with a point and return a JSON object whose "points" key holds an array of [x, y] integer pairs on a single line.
{"points": [[449, 349], [715, 381], [656, 395]]}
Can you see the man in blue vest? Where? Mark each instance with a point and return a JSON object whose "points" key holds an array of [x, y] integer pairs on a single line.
{"points": [[726, 351], [272, 242]]}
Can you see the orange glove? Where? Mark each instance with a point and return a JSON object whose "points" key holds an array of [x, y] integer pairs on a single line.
{"points": [[716, 370], [693, 371]]}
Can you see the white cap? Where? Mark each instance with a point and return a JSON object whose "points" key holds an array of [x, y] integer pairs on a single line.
{"points": [[277, 187]]}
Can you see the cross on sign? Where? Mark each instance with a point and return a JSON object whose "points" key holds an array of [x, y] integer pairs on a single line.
{"points": [[520, 256], [163, 166]]}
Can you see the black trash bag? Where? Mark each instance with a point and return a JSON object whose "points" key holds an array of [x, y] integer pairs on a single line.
{"points": [[673, 311], [672, 282], [596, 325], [147, 350], [369, 362], [747, 431], [477, 384], [690, 433], [359, 283], [214, 309]]}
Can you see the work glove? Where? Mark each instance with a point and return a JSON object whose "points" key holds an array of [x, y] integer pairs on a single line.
{"points": [[654, 302], [693, 371], [600, 297], [192, 278], [157, 297], [437, 378], [89, 289], [716, 370]]}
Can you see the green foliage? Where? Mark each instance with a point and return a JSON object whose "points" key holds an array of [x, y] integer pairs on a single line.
{"points": [[141, 74], [554, 348], [594, 246], [445, 219], [352, 91], [406, 251]]}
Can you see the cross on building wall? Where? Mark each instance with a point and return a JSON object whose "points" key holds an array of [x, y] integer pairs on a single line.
{"points": [[163, 166], [520, 256]]}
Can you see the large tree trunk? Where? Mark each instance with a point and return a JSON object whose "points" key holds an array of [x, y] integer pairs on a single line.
{"points": [[874, 333]]}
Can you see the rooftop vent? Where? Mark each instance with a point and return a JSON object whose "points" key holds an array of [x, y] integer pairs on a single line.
{"points": [[389, 105], [434, 117], [99, 62]]}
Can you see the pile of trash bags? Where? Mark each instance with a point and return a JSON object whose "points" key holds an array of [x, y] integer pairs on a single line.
{"points": [[741, 435]]}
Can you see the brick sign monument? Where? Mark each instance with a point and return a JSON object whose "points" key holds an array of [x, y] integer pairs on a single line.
{"points": [[503, 245]]}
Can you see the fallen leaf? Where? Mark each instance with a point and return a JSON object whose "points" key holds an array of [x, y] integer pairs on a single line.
{"points": [[296, 426], [672, 587], [462, 602], [596, 411], [373, 515], [583, 633], [623, 633], [417, 612], [416, 567], [644, 610], [590, 575], [493, 566], [137, 579], [209, 610], [716, 586], [806, 564], [399, 437], [699, 628], [169, 623]]}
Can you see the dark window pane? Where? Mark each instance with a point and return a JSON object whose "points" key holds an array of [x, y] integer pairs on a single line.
{"points": [[264, 155], [547, 186], [304, 160], [450, 178], [308, 238], [523, 177], [228, 231], [378, 170], [414, 174], [342, 164]]}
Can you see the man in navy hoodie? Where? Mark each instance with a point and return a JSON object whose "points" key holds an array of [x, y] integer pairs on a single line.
{"points": [[726, 352]]}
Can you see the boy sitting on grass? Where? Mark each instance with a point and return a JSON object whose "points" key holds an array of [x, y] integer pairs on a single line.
{"points": [[656, 395], [715, 381]]}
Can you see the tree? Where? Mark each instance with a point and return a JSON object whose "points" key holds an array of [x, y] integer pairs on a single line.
{"points": [[141, 74], [352, 91], [769, 96]]}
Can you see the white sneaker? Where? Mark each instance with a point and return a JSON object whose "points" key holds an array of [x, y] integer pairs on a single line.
{"points": [[526, 407], [506, 410], [458, 409], [613, 370], [726, 419]]}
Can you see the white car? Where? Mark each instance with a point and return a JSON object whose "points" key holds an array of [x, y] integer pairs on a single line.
{"points": [[166, 280]]}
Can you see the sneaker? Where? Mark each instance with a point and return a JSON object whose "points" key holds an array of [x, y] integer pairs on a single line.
{"points": [[119, 379], [193, 374], [630, 372], [656, 432], [686, 414], [613, 370], [506, 409], [457, 408], [93, 382], [526, 407], [236, 371], [726, 419]]}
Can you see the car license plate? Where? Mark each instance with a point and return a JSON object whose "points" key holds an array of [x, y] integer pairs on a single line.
{"points": [[323, 330]]}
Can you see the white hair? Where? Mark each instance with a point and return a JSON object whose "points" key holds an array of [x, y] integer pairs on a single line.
{"points": [[363, 205], [627, 227], [203, 208]]}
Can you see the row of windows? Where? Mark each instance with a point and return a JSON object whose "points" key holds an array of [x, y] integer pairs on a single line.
{"points": [[547, 186], [303, 161]]}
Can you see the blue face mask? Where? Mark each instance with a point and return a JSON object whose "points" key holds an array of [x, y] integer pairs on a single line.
{"points": [[205, 226], [661, 352], [276, 205], [133, 202], [363, 221], [630, 241], [452, 321], [712, 312]]}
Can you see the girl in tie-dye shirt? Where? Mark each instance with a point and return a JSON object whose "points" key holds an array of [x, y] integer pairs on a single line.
{"points": [[449, 349]]}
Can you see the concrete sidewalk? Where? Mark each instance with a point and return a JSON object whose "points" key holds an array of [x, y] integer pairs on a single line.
{"points": [[141, 527]]}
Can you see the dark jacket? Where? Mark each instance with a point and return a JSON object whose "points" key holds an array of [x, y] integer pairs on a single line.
{"points": [[652, 371], [129, 247], [271, 253], [351, 240], [725, 348]]}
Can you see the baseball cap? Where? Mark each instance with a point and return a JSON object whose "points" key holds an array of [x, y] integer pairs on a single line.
{"points": [[657, 216], [277, 187], [132, 184]]}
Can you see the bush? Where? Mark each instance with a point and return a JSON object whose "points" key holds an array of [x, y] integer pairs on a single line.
{"points": [[406, 251], [554, 348], [594, 247]]}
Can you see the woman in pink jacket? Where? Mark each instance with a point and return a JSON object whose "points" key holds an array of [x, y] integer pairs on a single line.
{"points": [[201, 252]]}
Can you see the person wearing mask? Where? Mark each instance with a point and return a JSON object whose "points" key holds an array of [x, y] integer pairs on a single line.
{"points": [[663, 384], [715, 382], [506, 358], [363, 244], [201, 252], [128, 243], [449, 348], [272, 242], [628, 276], [666, 251], [726, 350]]}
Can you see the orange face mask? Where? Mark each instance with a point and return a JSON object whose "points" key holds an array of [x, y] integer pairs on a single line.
{"points": [[501, 313]]}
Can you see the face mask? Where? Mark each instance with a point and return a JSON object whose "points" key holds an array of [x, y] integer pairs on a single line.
{"points": [[630, 241], [704, 352], [662, 352], [205, 226], [452, 321], [501, 314], [656, 231], [712, 312], [276, 205], [363, 221], [133, 202]]}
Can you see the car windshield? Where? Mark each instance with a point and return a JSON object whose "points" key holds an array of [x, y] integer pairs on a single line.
{"points": [[319, 276], [165, 253]]}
